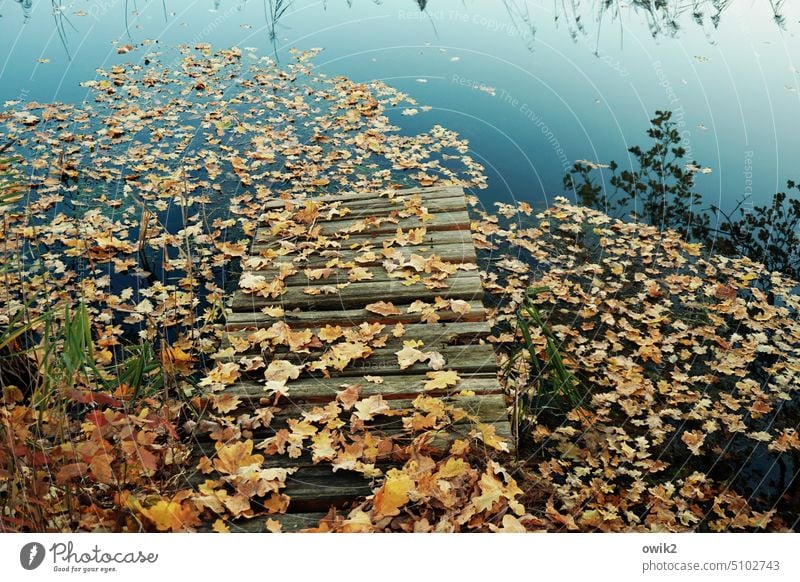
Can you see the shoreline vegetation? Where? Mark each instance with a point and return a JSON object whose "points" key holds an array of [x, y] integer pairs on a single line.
{"points": [[653, 382]]}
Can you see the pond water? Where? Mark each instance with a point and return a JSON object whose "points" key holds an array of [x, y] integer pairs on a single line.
{"points": [[532, 85]]}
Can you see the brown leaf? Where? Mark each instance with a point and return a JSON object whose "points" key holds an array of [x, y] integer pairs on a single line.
{"points": [[71, 471], [349, 396], [383, 308]]}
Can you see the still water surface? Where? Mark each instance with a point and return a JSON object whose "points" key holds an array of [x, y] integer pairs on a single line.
{"points": [[533, 85]]}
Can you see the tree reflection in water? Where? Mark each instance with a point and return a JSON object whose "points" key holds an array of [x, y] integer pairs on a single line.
{"points": [[582, 18]]}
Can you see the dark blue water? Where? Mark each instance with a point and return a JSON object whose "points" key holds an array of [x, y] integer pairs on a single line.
{"points": [[531, 91]]}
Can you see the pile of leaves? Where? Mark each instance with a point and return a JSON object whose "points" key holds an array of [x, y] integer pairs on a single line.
{"points": [[118, 253], [122, 230], [687, 367], [302, 396], [688, 364]]}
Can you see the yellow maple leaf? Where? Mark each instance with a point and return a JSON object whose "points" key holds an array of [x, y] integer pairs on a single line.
{"points": [[309, 213], [273, 310], [359, 274], [235, 455], [330, 333], [232, 249], [172, 515], [223, 374], [435, 359], [226, 402], [460, 306], [322, 273], [511, 525], [322, 447], [488, 434], [694, 440], [441, 379], [358, 522], [452, 468], [394, 493]]}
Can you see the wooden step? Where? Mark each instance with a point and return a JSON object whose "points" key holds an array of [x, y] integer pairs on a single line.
{"points": [[432, 334], [462, 285], [450, 220], [299, 319], [347, 198], [321, 390], [380, 208]]}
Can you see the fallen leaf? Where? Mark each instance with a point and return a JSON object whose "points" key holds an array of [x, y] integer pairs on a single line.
{"points": [[282, 371], [383, 308], [441, 380], [367, 408], [394, 494]]}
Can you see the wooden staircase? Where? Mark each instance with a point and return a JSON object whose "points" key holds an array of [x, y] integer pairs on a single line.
{"points": [[332, 264]]}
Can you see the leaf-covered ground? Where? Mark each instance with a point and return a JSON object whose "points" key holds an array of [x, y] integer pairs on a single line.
{"points": [[117, 261], [690, 369]]}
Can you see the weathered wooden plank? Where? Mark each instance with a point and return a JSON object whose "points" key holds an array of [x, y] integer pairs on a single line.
{"points": [[317, 493], [316, 487], [448, 200], [320, 390], [451, 220], [463, 285], [490, 408], [433, 334], [426, 194], [457, 253], [464, 359], [346, 240], [301, 319], [341, 275], [361, 242], [431, 341], [439, 440], [290, 523], [352, 249], [375, 209]]}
